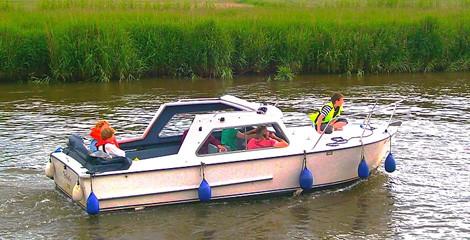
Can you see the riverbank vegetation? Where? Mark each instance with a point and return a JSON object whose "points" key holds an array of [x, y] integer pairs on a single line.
{"points": [[103, 40]]}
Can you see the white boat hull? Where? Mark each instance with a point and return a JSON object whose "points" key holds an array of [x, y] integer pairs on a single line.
{"points": [[170, 169], [242, 178]]}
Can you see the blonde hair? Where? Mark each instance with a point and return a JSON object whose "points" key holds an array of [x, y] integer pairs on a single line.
{"points": [[107, 132], [260, 132]]}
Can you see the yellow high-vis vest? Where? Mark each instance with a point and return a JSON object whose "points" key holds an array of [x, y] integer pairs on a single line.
{"points": [[314, 116]]}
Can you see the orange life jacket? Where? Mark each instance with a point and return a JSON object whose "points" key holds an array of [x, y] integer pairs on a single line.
{"points": [[96, 134]]}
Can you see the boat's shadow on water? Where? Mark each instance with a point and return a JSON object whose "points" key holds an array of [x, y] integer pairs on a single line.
{"points": [[358, 208]]}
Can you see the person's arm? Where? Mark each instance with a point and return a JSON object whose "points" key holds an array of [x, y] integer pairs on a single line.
{"points": [[112, 149], [249, 135], [252, 131], [324, 112], [222, 148], [318, 124], [213, 140], [280, 143]]}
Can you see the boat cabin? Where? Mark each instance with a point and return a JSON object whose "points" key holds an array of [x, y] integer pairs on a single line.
{"points": [[201, 118]]}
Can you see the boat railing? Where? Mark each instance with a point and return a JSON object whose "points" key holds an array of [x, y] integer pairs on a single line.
{"points": [[373, 110], [366, 121]]}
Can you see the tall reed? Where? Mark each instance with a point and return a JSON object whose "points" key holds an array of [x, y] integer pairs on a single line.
{"points": [[83, 40]]}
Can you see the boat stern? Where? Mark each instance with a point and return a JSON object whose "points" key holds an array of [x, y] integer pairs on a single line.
{"points": [[65, 172]]}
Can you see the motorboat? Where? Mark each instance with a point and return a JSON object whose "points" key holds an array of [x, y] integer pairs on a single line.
{"points": [[161, 169]]}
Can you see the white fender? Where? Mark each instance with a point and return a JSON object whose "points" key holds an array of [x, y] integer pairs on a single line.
{"points": [[50, 170], [77, 193]]}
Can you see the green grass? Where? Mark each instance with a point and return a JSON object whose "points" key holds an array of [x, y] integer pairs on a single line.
{"points": [[104, 40]]}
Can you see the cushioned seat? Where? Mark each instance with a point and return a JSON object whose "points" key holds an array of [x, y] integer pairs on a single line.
{"points": [[77, 150]]}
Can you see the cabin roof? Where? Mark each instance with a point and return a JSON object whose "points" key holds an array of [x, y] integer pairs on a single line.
{"points": [[234, 119], [234, 105]]}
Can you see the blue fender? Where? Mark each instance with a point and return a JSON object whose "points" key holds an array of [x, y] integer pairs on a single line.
{"points": [[390, 164], [306, 179], [204, 191], [363, 169], [92, 204]]}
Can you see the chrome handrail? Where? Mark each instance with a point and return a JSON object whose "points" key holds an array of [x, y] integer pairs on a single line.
{"points": [[382, 108]]}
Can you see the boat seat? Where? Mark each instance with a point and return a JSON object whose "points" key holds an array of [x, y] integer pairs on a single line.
{"points": [[211, 148], [76, 143], [76, 149]]}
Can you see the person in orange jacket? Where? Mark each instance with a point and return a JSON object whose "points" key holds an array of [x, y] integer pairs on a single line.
{"points": [[96, 135], [107, 144]]}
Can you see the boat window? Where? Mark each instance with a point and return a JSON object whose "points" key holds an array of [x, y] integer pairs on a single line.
{"points": [[177, 125], [181, 122], [228, 138]]}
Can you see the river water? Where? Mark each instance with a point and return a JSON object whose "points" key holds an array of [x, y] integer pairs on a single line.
{"points": [[428, 196]]}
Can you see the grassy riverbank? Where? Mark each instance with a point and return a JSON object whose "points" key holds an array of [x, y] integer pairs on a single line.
{"points": [[102, 40]]}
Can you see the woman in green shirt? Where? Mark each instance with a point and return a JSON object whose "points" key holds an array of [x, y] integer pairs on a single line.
{"points": [[230, 136]]}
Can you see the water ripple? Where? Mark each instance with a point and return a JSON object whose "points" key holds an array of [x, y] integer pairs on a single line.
{"points": [[426, 197]]}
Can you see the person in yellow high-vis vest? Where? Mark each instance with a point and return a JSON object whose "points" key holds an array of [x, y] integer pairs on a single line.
{"points": [[329, 111]]}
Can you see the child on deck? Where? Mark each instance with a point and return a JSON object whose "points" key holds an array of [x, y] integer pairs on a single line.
{"points": [[96, 134], [107, 144]]}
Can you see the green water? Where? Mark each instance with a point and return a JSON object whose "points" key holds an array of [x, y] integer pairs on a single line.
{"points": [[426, 197]]}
